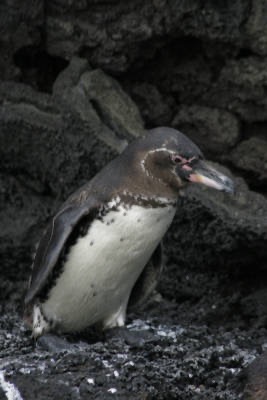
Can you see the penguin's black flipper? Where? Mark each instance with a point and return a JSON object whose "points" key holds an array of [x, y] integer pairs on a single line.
{"points": [[147, 281], [53, 241]]}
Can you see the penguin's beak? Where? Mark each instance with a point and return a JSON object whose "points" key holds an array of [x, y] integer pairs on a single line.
{"points": [[205, 174]]}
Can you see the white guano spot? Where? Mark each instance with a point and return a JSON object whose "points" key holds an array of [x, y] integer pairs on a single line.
{"points": [[10, 390], [112, 390]]}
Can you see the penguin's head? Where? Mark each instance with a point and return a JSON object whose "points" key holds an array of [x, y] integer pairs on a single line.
{"points": [[170, 157]]}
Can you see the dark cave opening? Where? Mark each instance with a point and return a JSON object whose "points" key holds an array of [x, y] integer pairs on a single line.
{"points": [[38, 68]]}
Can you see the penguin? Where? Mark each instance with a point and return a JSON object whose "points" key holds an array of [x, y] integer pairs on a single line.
{"points": [[101, 251]]}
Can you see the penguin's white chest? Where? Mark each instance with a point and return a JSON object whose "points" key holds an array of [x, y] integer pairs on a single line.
{"points": [[103, 266]]}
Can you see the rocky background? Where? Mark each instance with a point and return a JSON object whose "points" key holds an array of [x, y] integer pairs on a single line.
{"points": [[79, 80]]}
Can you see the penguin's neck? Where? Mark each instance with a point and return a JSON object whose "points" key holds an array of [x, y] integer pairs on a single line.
{"points": [[128, 198]]}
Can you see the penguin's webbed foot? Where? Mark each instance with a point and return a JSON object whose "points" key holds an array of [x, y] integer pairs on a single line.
{"points": [[54, 343]]}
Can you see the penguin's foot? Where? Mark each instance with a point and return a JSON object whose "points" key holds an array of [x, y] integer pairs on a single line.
{"points": [[132, 338], [56, 344]]}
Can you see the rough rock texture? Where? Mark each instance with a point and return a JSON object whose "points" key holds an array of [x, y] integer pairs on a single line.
{"points": [[256, 388], [70, 71], [251, 156], [214, 130]]}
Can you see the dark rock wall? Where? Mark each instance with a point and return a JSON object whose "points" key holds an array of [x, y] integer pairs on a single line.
{"points": [[80, 79], [199, 66]]}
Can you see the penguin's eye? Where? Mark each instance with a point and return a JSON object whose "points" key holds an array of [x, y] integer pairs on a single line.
{"points": [[176, 159]]}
